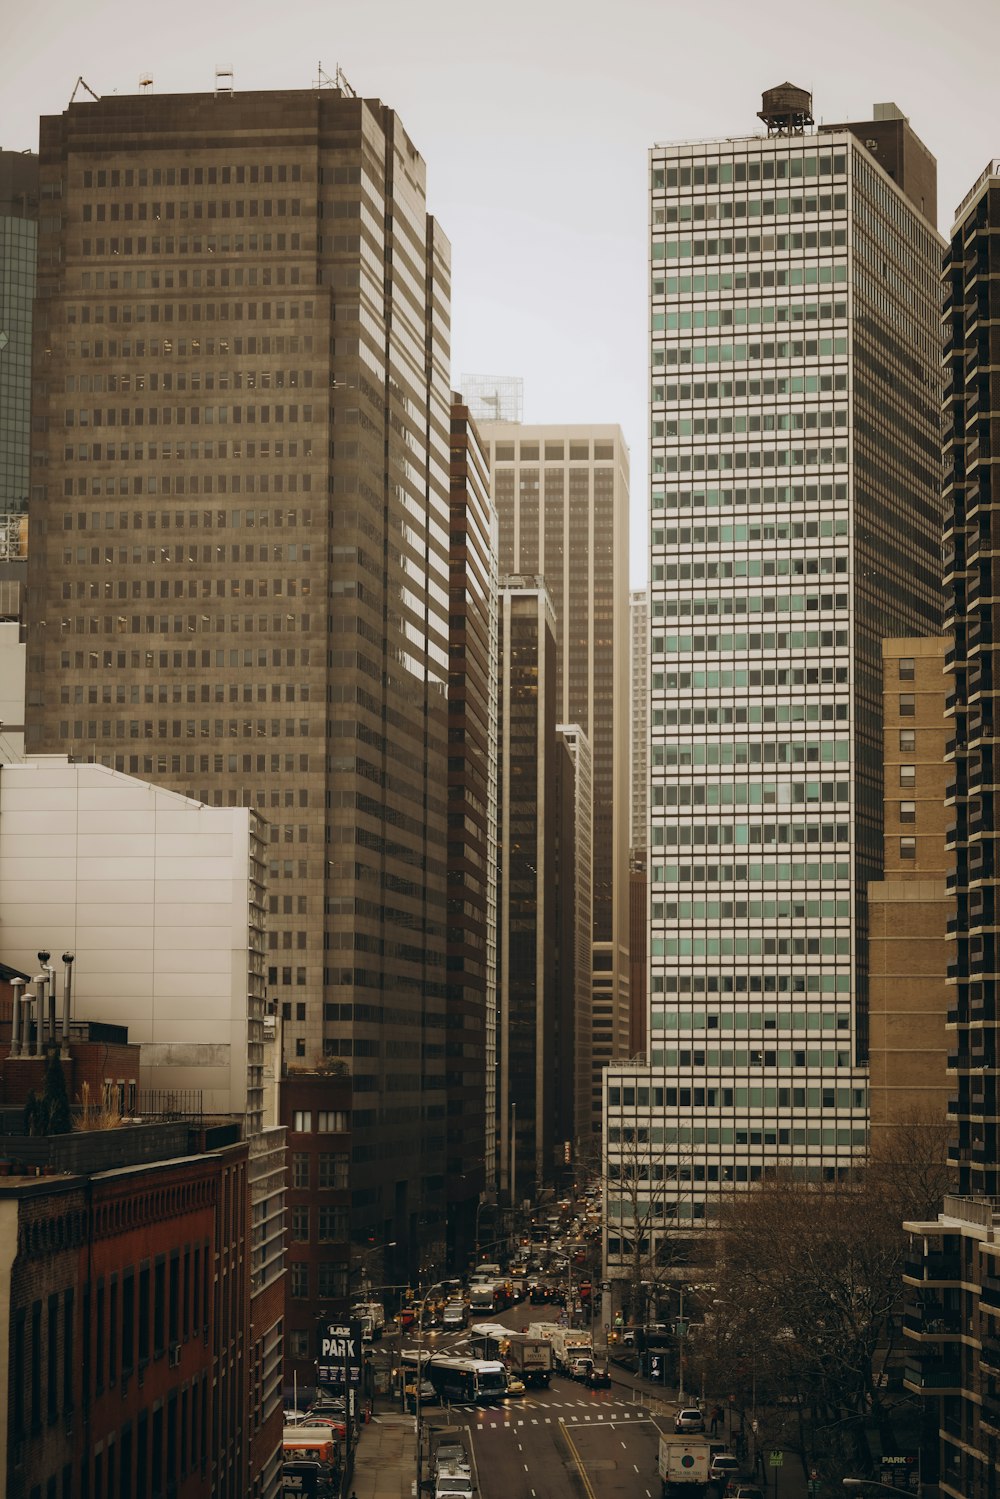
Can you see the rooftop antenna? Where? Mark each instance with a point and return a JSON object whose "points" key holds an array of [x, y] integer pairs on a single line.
{"points": [[343, 84], [145, 83], [224, 83], [323, 79], [81, 82]]}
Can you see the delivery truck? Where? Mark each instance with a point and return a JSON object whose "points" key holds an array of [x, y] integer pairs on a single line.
{"points": [[683, 1465], [530, 1358]]}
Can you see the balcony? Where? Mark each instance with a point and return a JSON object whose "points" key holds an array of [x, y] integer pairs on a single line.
{"points": [[933, 1268], [933, 1375], [932, 1321], [990, 1354], [989, 1294]]}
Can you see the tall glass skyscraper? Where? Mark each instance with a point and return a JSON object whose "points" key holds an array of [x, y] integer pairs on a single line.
{"points": [[794, 522]]}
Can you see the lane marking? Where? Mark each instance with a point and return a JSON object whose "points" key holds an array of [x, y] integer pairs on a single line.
{"points": [[579, 1465]]}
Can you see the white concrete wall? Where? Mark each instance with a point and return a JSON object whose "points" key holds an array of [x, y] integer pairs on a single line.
{"points": [[12, 661], [151, 891]]}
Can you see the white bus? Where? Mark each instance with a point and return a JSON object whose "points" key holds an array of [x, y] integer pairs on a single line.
{"points": [[467, 1380]]}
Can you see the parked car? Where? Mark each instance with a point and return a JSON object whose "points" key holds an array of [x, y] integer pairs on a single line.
{"points": [[689, 1419], [723, 1467], [452, 1485], [451, 1455], [741, 1488]]}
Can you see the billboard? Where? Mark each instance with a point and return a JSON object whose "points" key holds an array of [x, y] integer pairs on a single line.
{"points": [[338, 1357]]}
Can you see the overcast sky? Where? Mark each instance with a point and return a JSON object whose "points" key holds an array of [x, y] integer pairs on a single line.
{"points": [[534, 118]]}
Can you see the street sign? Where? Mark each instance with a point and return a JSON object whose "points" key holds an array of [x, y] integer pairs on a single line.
{"points": [[777, 1457], [338, 1360]]}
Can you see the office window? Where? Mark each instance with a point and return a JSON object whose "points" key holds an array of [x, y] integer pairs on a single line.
{"points": [[300, 1224], [332, 1279], [907, 739], [332, 1224], [300, 1170], [907, 705], [906, 668], [907, 775], [330, 1121], [907, 848], [907, 811], [333, 1169], [302, 1121], [298, 1279]]}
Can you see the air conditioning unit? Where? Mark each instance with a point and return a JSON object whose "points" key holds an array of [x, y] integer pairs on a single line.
{"points": [[174, 1355]]}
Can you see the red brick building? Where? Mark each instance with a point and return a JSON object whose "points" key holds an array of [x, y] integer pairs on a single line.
{"points": [[126, 1334], [316, 1110]]}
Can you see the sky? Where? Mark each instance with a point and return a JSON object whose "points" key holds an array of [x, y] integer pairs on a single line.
{"points": [[535, 118]]}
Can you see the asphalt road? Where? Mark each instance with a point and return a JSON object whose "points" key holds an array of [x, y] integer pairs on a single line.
{"points": [[566, 1442], [563, 1441]]}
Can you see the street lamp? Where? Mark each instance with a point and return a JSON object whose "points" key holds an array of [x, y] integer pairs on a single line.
{"points": [[363, 1259], [420, 1379]]}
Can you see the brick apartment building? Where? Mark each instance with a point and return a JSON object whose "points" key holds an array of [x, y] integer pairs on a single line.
{"points": [[910, 906], [315, 1109]]}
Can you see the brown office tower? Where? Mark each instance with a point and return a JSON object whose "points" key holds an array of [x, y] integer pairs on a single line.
{"points": [[239, 583], [910, 906], [471, 985], [528, 908]]}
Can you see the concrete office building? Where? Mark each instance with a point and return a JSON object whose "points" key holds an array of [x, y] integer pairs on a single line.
{"points": [[638, 610], [562, 497], [910, 906], [18, 252], [241, 586], [471, 985], [794, 524], [638, 889], [953, 1276]]}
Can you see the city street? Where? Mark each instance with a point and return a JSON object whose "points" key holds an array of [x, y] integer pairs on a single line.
{"points": [[553, 1442], [547, 1441]]}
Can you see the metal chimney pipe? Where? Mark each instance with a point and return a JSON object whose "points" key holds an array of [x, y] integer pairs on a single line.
{"points": [[49, 1030], [67, 958], [41, 984], [53, 1002], [15, 1018]]}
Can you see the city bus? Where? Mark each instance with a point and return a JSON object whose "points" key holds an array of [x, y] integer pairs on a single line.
{"points": [[467, 1380]]}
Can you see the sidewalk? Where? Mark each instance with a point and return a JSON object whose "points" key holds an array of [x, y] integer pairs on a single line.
{"points": [[385, 1460]]}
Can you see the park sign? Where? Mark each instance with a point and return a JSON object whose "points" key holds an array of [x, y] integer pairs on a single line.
{"points": [[338, 1361]]}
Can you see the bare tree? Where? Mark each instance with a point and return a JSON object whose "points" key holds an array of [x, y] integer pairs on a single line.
{"points": [[645, 1189], [807, 1282]]}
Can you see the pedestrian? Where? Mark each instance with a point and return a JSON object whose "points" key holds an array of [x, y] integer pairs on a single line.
{"points": [[759, 1462], [715, 1419]]}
